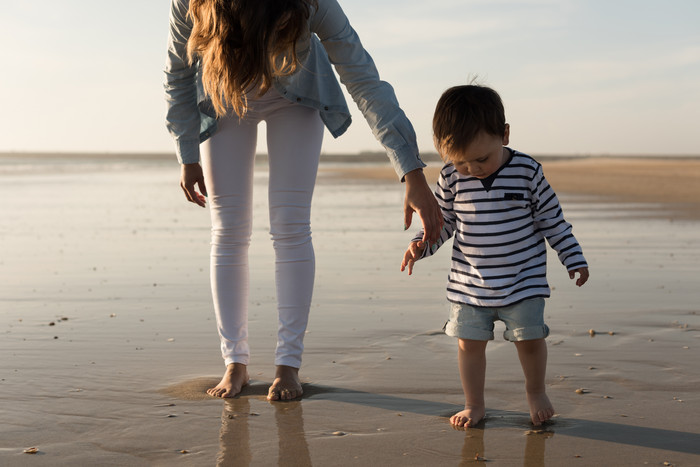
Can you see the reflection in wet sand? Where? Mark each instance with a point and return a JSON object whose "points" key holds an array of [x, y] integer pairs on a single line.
{"points": [[234, 435], [534, 447], [474, 448], [293, 449]]}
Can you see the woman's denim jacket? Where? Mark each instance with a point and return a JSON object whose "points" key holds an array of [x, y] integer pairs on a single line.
{"points": [[191, 119]]}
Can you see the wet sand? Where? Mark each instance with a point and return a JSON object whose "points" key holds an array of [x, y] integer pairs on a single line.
{"points": [[108, 338]]}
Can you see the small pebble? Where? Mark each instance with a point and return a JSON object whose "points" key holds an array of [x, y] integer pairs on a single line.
{"points": [[591, 332], [339, 433], [612, 333], [582, 391], [184, 451], [32, 450]]}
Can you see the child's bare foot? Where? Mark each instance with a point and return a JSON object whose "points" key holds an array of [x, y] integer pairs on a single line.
{"points": [[468, 417], [541, 408], [286, 385], [234, 380]]}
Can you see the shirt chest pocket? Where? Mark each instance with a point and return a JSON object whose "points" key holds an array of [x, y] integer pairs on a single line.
{"points": [[516, 199]]}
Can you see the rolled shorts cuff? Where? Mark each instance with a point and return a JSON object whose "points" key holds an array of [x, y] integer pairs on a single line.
{"points": [[453, 329], [526, 334]]}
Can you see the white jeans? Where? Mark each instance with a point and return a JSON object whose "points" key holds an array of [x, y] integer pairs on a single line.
{"points": [[294, 137]]}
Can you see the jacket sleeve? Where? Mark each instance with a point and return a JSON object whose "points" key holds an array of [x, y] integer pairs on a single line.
{"points": [[549, 219], [375, 98], [182, 115]]}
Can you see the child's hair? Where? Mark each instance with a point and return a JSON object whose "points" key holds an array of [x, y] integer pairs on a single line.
{"points": [[461, 113], [244, 44]]}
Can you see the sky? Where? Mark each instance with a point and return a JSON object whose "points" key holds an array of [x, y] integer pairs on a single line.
{"points": [[577, 77]]}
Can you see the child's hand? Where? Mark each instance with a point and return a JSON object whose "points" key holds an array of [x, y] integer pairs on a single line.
{"points": [[415, 251], [583, 275]]}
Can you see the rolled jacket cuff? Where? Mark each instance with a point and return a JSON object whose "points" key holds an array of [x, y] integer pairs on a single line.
{"points": [[404, 160], [187, 151]]}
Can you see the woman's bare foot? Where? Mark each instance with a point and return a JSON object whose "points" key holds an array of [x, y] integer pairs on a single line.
{"points": [[286, 385], [234, 380], [541, 408], [468, 417]]}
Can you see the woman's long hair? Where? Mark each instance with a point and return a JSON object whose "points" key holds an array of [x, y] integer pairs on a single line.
{"points": [[243, 45]]}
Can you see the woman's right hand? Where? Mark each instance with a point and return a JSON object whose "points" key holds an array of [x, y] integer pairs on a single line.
{"points": [[191, 175]]}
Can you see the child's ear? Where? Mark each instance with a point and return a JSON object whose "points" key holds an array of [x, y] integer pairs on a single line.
{"points": [[506, 135]]}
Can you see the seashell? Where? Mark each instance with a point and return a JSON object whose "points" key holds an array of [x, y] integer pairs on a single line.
{"points": [[339, 433], [582, 391], [591, 332], [32, 450]]}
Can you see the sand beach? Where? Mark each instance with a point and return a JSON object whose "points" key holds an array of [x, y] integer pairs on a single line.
{"points": [[108, 339]]}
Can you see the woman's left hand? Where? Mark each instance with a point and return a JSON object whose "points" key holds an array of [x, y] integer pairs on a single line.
{"points": [[420, 199]]}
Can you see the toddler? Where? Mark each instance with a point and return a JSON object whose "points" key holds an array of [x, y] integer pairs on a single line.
{"points": [[500, 209]]}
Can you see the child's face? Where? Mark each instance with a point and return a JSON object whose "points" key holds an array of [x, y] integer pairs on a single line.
{"points": [[483, 156]]}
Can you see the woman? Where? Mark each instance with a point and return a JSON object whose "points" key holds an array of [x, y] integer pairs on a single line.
{"points": [[230, 65]]}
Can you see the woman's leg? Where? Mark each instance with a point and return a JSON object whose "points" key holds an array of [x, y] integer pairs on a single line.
{"points": [[295, 135], [228, 159]]}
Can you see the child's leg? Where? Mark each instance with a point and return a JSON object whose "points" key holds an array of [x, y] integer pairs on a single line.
{"points": [[472, 372], [533, 358]]}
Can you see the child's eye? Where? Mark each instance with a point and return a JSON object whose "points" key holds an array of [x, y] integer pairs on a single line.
{"points": [[483, 159]]}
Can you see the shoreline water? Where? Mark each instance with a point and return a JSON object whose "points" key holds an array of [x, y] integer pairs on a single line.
{"points": [[122, 257]]}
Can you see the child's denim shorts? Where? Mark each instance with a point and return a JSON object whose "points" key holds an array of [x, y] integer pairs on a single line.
{"points": [[524, 321]]}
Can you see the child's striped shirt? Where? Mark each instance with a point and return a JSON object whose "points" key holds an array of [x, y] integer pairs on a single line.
{"points": [[499, 254]]}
